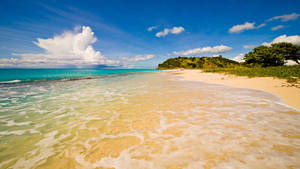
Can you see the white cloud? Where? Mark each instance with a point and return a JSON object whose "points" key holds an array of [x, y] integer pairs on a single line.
{"points": [[138, 58], [245, 26], [177, 30], [249, 46], [242, 27], [285, 18], [70, 48], [283, 38], [239, 58], [151, 28], [166, 31], [277, 27], [162, 33], [208, 49]]}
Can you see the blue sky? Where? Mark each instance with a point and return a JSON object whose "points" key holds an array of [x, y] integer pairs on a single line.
{"points": [[192, 28]]}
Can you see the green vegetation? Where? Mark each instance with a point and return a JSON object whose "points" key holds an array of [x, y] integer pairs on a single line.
{"points": [[274, 55], [291, 73], [262, 61], [198, 63]]}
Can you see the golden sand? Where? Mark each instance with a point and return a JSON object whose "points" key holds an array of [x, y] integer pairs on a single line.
{"points": [[171, 124], [289, 94]]}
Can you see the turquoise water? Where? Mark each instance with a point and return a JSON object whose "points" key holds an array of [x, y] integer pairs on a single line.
{"points": [[143, 120], [29, 75]]}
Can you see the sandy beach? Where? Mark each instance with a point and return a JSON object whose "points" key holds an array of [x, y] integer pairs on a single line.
{"points": [[289, 94], [145, 120]]}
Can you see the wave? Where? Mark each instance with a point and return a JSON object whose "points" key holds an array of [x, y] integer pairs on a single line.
{"points": [[10, 81], [39, 81]]}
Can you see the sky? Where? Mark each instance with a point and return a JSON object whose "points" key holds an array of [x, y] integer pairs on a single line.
{"points": [[138, 34]]}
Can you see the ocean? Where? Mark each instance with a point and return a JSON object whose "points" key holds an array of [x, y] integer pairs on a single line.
{"points": [[133, 118], [30, 75]]}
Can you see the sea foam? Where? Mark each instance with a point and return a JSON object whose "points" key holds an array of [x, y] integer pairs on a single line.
{"points": [[145, 121]]}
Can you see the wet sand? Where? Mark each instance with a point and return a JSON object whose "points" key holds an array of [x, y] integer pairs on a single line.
{"points": [[289, 94], [146, 121]]}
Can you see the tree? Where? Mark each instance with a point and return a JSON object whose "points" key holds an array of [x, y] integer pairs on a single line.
{"points": [[264, 56], [274, 55], [288, 50]]}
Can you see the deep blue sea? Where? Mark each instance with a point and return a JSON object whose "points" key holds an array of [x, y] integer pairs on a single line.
{"points": [[29, 75]]}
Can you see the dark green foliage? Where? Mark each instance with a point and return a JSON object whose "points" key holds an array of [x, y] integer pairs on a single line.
{"points": [[197, 63], [274, 55], [288, 50], [264, 56]]}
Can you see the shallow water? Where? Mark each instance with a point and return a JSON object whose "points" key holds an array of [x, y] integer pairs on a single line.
{"points": [[145, 120]]}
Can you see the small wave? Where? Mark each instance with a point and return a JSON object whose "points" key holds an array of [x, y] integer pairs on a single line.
{"points": [[11, 81]]}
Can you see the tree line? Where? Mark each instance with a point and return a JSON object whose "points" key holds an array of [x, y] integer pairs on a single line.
{"points": [[276, 54]]}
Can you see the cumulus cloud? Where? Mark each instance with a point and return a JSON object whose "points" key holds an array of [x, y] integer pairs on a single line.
{"points": [[138, 58], [70, 48], [245, 26], [283, 38], [208, 49], [166, 31], [239, 58], [277, 27], [285, 18], [249, 46]]}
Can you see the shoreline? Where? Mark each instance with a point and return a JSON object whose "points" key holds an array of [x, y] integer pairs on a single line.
{"points": [[290, 95]]}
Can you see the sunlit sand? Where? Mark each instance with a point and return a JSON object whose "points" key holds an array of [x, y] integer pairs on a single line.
{"points": [[289, 93], [155, 121]]}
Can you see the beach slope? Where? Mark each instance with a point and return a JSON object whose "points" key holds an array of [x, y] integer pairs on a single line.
{"points": [[288, 93]]}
